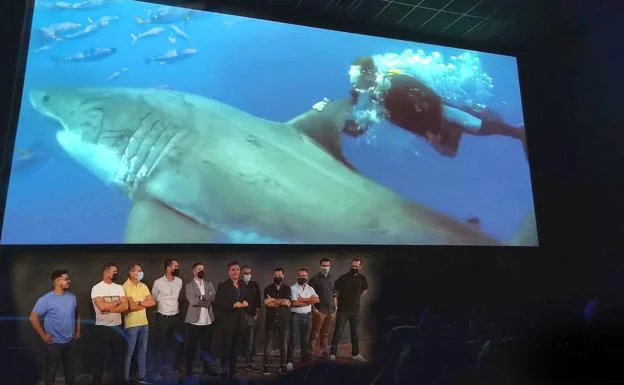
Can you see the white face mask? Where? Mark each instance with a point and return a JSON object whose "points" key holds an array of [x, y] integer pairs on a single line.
{"points": [[325, 270], [246, 277], [140, 276]]}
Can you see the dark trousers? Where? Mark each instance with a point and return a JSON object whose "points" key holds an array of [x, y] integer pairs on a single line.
{"points": [[250, 332], [54, 354], [300, 325], [167, 343], [231, 333], [341, 321], [276, 335], [201, 335], [110, 342]]}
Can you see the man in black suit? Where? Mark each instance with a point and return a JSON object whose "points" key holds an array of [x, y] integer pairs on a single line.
{"points": [[230, 305], [252, 314]]}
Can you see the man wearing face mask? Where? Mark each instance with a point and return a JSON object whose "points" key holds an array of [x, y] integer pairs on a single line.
{"points": [[200, 294], [166, 292], [350, 288], [61, 327], [303, 297], [277, 300], [109, 302], [135, 321], [324, 312], [252, 312]]}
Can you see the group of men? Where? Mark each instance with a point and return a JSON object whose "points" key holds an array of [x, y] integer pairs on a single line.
{"points": [[224, 320]]}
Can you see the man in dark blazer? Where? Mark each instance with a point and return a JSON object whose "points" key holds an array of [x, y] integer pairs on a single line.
{"points": [[200, 294], [230, 304]]}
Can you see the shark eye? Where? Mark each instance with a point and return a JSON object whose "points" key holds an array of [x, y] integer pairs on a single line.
{"points": [[46, 98]]}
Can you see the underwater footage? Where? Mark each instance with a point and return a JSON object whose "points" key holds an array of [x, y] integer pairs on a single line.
{"points": [[148, 124]]}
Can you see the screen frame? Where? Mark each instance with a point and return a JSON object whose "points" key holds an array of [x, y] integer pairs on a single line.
{"points": [[265, 12]]}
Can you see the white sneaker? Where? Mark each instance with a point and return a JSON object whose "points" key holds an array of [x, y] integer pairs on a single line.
{"points": [[359, 358], [332, 357], [289, 367]]}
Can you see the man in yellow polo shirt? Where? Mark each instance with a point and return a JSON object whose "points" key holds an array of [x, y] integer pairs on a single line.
{"points": [[135, 321]]}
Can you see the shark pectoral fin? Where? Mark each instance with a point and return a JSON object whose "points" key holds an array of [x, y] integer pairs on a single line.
{"points": [[324, 123], [527, 232], [153, 222]]}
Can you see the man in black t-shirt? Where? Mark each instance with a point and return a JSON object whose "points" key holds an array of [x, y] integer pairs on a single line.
{"points": [[350, 288], [277, 300]]}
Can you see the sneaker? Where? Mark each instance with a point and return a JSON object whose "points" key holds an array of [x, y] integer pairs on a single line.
{"points": [[265, 370], [359, 358], [289, 367], [143, 382], [332, 357]]}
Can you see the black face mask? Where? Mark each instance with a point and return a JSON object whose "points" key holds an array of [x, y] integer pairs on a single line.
{"points": [[176, 272], [115, 277], [354, 271], [301, 281], [277, 280], [201, 275]]}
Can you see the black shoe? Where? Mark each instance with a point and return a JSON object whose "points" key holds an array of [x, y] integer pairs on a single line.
{"points": [[265, 370]]}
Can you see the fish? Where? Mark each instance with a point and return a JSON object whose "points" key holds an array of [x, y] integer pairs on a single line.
{"points": [[195, 169], [167, 15], [172, 56], [118, 73], [150, 33], [180, 33], [92, 27], [85, 5], [56, 32], [89, 55], [41, 49]]}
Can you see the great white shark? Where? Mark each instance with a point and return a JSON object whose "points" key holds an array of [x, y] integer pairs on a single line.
{"points": [[195, 168]]}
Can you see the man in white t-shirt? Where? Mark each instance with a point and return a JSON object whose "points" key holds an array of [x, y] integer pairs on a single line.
{"points": [[109, 302], [303, 297]]}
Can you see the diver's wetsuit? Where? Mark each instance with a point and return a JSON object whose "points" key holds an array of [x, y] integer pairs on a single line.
{"points": [[415, 107]]}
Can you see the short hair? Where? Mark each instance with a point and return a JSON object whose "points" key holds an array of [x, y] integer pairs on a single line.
{"points": [[232, 264], [357, 259], [302, 269], [107, 266], [278, 269], [167, 263], [324, 259], [57, 274], [245, 267], [197, 264], [132, 266]]}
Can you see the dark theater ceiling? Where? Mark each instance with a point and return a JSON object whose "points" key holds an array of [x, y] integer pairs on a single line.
{"points": [[499, 24]]}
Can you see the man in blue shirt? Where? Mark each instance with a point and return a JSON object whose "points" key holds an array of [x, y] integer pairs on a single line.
{"points": [[61, 326]]}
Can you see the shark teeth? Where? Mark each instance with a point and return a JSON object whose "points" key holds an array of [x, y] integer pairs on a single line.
{"points": [[237, 236]]}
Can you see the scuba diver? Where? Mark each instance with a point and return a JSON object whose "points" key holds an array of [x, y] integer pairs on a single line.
{"points": [[413, 106]]}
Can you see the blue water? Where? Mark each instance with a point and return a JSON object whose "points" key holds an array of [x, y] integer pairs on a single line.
{"points": [[271, 70]]}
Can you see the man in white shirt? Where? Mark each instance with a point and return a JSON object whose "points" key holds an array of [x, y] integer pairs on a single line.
{"points": [[109, 302], [168, 338], [200, 294], [303, 297]]}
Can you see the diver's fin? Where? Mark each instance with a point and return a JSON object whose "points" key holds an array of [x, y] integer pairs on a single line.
{"points": [[153, 222], [324, 124], [527, 232]]}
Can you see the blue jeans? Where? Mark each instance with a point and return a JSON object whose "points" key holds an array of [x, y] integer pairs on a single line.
{"points": [[137, 338], [300, 326]]}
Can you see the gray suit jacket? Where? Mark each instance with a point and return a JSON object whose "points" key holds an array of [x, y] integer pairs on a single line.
{"points": [[196, 301]]}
